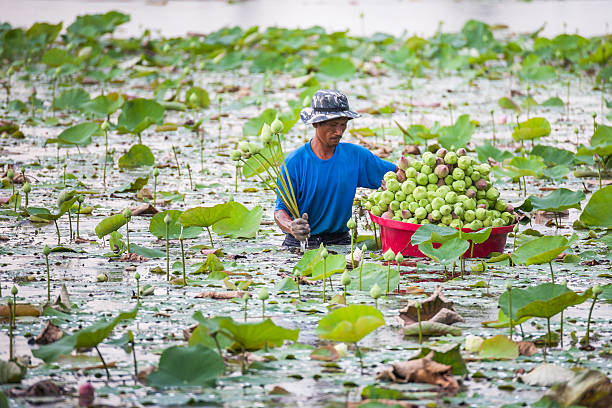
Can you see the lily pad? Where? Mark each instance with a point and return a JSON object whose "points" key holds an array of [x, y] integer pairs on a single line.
{"points": [[241, 223], [191, 366], [533, 128], [499, 347], [541, 250], [373, 274], [597, 211], [458, 135], [138, 114], [157, 226], [255, 336], [110, 224], [204, 216], [139, 155]]}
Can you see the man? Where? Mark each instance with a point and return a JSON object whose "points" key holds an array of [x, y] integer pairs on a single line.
{"points": [[325, 175]]}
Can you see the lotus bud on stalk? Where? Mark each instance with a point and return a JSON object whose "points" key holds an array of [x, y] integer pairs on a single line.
{"points": [[389, 256], [105, 125], [167, 220], [266, 134], [244, 147], [276, 126], [137, 277], [375, 293], [263, 295], [324, 254], [193, 100]]}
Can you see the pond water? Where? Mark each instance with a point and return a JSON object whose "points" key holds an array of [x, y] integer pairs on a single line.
{"points": [[361, 17]]}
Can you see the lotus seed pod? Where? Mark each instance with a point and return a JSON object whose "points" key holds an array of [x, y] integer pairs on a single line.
{"points": [[375, 291], [167, 219], [105, 125], [388, 215], [461, 152], [389, 255], [346, 278], [14, 290], [351, 224], [441, 171], [266, 134], [597, 290], [323, 252], [137, 276], [46, 250], [27, 188], [276, 126], [263, 294], [127, 213]]}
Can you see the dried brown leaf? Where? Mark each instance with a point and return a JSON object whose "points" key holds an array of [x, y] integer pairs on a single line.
{"points": [[527, 348], [144, 209], [429, 307], [221, 295], [325, 353], [422, 370], [50, 334], [45, 388]]}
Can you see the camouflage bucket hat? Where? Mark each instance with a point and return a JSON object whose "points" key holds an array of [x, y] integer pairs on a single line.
{"points": [[326, 105]]}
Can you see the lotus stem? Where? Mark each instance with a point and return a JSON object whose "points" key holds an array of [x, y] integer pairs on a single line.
{"points": [[103, 363], [154, 190], [418, 308], [596, 292], [552, 274], [246, 301], [567, 104], [210, 237], [352, 258], [133, 344], [105, 156], [127, 234], [78, 217], [388, 276], [549, 335], [139, 138], [183, 260], [201, 132], [509, 289], [360, 269], [178, 166], [220, 125], [493, 124], [48, 279], [57, 231], [324, 278], [137, 277], [360, 357], [10, 307], [190, 179], [297, 281], [167, 252], [236, 179]]}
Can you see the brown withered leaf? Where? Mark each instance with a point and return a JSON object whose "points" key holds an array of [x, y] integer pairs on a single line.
{"points": [[21, 310], [143, 374], [527, 348], [50, 334], [81, 240], [447, 316], [429, 307], [132, 257], [189, 331], [45, 388], [325, 353], [4, 200], [144, 193], [422, 370], [231, 294], [144, 209], [357, 255], [278, 390]]}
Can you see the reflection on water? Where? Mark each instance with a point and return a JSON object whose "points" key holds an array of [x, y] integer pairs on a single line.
{"points": [[422, 17]]}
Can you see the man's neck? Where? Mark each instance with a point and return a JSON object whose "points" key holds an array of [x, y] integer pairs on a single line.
{"points": [[322, 151]]}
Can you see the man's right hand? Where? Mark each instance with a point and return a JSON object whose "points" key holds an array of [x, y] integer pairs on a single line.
{"points": [[300, 228]]}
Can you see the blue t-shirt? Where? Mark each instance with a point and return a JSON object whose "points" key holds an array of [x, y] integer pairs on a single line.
{"points": [[325, 189]]}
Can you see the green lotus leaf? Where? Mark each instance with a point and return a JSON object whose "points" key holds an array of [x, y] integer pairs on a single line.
{"points": [[204, 216], [350, 324], [597, 211], [193, 366], [533, 128], [157, 226], [139, 155]]}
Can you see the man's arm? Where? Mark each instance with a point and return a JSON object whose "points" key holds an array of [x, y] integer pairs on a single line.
{"points": [[299, 227]]}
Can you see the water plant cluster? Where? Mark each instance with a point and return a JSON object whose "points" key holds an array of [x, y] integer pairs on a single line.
{"points": [[140, 265]]}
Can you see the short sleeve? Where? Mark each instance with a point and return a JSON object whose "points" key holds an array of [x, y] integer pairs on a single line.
{"points": [[372, 169]]}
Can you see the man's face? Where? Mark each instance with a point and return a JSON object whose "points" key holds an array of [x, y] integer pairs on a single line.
{"points": [[330, 132]]}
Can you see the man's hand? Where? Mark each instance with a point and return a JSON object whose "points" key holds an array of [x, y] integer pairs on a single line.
{"points": [[300, 228]]}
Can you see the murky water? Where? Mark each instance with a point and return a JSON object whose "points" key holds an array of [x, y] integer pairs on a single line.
{"points": [[360, 17]]}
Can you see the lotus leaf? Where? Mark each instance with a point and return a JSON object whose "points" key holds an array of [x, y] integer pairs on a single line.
{"points": [[241, 222], [350, 324], [255, 336], [135, 185], [103, 105], [110, 224], [541, 250], [72, 99], [448, 252], [333, 264], [200, 100], [487, 150], [499, 347], [372, 274], [157, 226], [139, 155], [78, 135], [85, 338], [458, 135], [193, 366], [558, 200], [337, 68], [597, 211], [138, 114], [507, 103], [526, 166], [433, 233], [533, 128], [204, 216]]}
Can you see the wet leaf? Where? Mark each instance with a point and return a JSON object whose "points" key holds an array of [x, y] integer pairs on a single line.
{"points": [[331, 265], [448, 252], [499, 347], [72, 99], [325, 353], [372, 274], [533, 128], [507, 103], [350, 324], [541, 250], [547, 375], [255, 336], [433, 233], [79, 135], [558, 200], [187, 366], [204, 216], [241, 223], [139, 113]]}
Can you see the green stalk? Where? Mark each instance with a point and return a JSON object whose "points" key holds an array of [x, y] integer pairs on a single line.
{"points": [[183, 260], [48, 280], [360, 357], [190, 180], [70, 223], [155, 191], [10, 307], [57, 232], [510, 309], [105, 156], [263, 309], [352, 258], [419, 319], [133, 344], [388, 276], [552, 274], [246, 301], [103, 363], [178, 166], [78, 216], [549, 335], [167, 253], [493, 124], [588, 333], [210, 237], [201, 150], [360, 269], [127, 233], [324, 278]]}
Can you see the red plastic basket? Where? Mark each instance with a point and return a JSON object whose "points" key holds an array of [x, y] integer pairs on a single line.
{"points": [[397, 235]]}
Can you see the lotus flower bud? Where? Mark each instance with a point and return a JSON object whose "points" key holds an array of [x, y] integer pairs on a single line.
{"points": [[401, 175], [276, 126], [167, 219], [399, 258], [80, 198], [461, 152], [597, 290], [403, 163], [508, 285], [594, 115], [439, 161], [10, 174], [127, 213], [509, 208], [46, 250], [181, 237], [243, 146], [406, 214], [14, 290], [375, 291], [266, 134], [388, 215], [481, 184], [323, 252], [102, 277], [137, 276], [86, 395], [441, 171], [441, 152], [389, 255], [10, 71], [351, 224], [254, 149], [155, 172], [342, 349], [417, 305], [105, 125], [263, 294], [26, 188], [363, 249], [473, 343], [193, 99], [235, 155], [346, 278], [246, 297]]}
